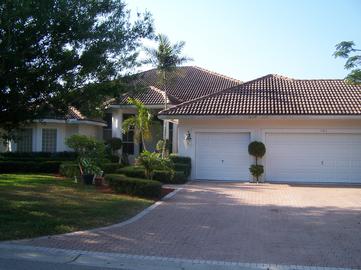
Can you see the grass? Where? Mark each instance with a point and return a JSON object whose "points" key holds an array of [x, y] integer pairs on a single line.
{"points": [[35, 204]]}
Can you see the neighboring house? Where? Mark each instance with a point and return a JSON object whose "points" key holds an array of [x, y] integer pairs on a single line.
{"points": [[48, 135], [311, 129]]}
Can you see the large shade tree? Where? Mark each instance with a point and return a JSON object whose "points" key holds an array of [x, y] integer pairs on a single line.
{"points": [[347, 50], [57, 53]]}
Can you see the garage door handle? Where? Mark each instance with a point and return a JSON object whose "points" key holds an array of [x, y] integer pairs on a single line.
{"points": [[222, 160], [322, 162]]}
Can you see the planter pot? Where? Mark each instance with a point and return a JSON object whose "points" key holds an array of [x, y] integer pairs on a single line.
{"points": [[88, 179]]}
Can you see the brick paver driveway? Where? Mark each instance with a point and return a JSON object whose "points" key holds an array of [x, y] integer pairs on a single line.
{"points": [[280, 224]]}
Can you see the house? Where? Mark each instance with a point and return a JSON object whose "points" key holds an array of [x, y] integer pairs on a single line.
{"points": [[185, 84], [311, 130], [49, 134]]}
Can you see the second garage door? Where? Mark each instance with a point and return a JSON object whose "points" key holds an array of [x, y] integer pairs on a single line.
{"points": [[222, 156], [313, 157]]}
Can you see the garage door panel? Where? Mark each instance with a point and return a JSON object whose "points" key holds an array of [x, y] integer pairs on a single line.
{"points": [[313, 157], [222, 156]]}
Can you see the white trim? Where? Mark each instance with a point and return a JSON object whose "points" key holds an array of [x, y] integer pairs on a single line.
{"points": [[71, 121], [263, 117]]}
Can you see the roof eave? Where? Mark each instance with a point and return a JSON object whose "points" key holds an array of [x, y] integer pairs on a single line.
{"points": [[267, 117]]}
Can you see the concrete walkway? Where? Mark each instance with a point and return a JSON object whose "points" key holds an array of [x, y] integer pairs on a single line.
{"points": [[235, 222]]}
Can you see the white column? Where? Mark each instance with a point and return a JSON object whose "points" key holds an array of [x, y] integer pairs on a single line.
{"points": [[117, 120]]}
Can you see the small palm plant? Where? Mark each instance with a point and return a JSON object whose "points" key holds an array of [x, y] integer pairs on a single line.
{"points": [[141, 122], [150, 161]]}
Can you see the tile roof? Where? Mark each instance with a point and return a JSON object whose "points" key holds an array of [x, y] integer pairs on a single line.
{"points": [[149, 95], [186, 83], [277, 95]]}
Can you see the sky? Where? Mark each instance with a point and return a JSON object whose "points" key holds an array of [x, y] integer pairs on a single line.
{"points": [[253, 38]]}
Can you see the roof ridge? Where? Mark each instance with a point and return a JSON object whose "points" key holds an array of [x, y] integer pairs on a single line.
{"points": [[77, 112], [280, 77], [217, 74]]}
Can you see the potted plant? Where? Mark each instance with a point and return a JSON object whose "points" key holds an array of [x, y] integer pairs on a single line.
{"points": [[89, 170], [258, 150]]}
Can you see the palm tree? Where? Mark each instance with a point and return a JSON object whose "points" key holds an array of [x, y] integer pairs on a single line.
{"points": [[141, 122], [166, 57]]}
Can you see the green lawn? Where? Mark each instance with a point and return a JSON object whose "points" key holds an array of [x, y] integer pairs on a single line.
{"points": [[33, 205]]}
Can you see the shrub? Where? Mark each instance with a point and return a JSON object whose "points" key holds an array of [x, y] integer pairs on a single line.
{"points": [[38, 156], [110, 167], [29, 166], [150, 161], [182, 163], [69, 170], [179, 177], [180, 159], [134, 186], [257, 149], [132, 171], [164, 176], [256, 170], [185, 168]]}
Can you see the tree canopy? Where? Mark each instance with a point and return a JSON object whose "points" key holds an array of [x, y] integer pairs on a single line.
{"points": [[57, 53], [347, 50]]}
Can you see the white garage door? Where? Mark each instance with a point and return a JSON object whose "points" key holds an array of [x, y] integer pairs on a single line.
{"points": [[313, 157], [222, 156]]}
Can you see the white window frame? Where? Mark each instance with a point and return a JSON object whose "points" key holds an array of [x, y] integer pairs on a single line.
{"points": [[49, 146]]}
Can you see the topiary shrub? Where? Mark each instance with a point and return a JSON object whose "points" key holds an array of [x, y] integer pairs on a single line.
{"points": [[256, 170], [134, 186], [258, 150]]}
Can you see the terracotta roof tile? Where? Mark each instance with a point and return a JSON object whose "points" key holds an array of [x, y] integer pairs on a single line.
{"points": [[277, 95], [187, 83]]}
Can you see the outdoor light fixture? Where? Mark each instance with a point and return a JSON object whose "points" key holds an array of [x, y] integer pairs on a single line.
{"points": [[188, 137]]}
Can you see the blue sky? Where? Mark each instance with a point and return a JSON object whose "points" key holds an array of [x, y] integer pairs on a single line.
{"points": [[249, 39]]}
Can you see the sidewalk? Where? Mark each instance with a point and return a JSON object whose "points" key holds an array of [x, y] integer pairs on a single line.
{"points": [[78, 259]]}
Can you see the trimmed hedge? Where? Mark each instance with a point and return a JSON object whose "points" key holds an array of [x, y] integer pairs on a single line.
{"points": [[180, 159], [69, 170], [182, 163], [29, 166], [170, 177], [134, 186], [163, 176], [179, 178], [185, 168], [132, 171], [46, 156], [110, 167]]}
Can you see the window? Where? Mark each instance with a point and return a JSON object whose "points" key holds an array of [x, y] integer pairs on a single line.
{"points": [[170, 137], [107, 131], [24, 142], [49, 140], [128, 138]]}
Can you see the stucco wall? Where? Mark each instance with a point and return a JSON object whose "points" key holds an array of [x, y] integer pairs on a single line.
{"points": [[257, 129], [64, 130]]}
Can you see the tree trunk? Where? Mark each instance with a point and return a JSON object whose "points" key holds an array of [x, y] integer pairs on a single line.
{"points": [[143, 142]]}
